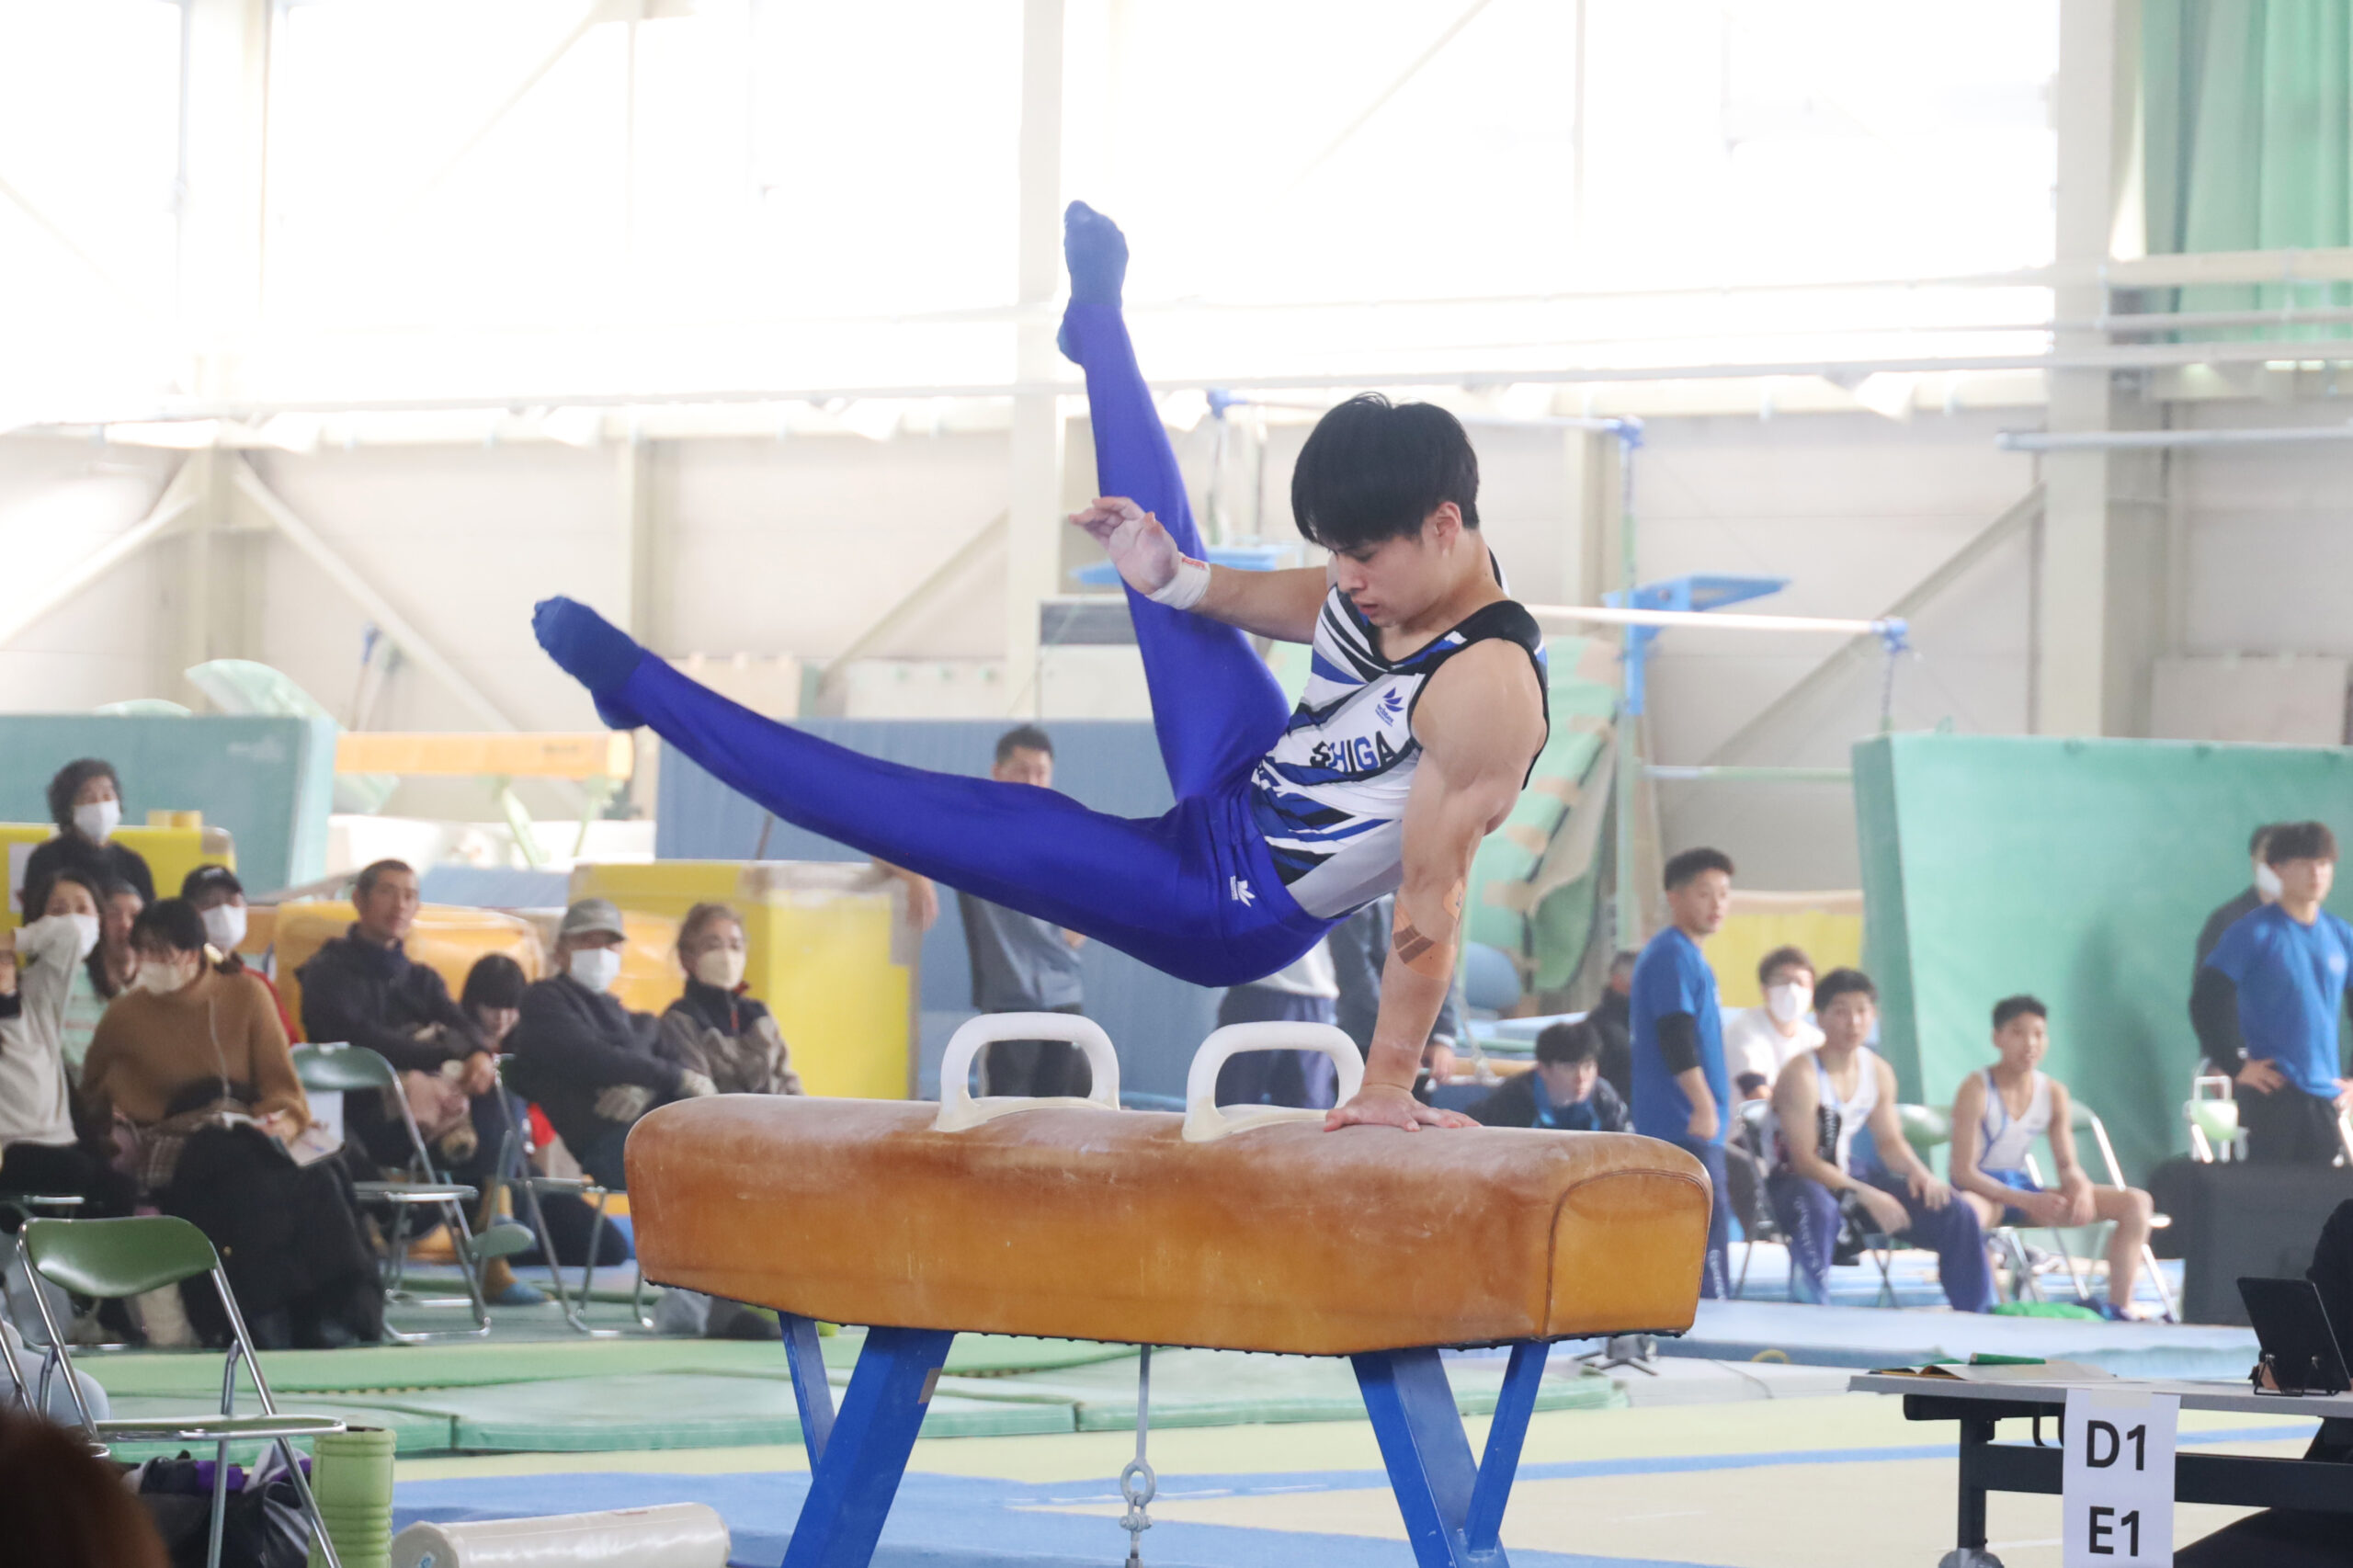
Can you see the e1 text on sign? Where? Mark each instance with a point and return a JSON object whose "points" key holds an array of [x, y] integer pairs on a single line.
{"points": [[2117, 1478]]}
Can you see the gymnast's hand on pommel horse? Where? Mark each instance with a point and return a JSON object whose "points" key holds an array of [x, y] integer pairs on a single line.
{"points": [[1422, 715]]}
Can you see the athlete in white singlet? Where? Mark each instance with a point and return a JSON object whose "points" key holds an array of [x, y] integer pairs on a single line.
{"points": [[1999, 1115]]}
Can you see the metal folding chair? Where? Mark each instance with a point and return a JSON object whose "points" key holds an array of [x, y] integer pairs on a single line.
{"points": [[514, 1170], [1759, 1225], [111, 1259], [352, 1069], [2083, 1120]]}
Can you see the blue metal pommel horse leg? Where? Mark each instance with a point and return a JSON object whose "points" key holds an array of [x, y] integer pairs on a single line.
{"points": [[1454, 1506]]}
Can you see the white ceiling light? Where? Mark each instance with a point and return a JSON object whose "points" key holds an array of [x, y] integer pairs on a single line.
{"points": [[581, 428], [875, 419]]}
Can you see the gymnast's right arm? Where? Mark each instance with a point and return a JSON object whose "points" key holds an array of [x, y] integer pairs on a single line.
{"points": [[1281, 604]]}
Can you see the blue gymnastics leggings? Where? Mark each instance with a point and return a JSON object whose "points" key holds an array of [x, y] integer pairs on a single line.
{"points": [[1193, 893]]}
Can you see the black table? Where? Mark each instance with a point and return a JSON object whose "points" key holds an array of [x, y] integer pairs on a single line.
{"points": [[2243, 1481]]}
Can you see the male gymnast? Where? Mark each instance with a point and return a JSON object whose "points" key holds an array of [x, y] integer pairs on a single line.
{"points": [[1422, 714]]}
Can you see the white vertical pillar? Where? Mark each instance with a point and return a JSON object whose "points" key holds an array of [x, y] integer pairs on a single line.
{"points": [[643, 525], [1033, 540], [208, 573], [224, 121], [2085, 672]]}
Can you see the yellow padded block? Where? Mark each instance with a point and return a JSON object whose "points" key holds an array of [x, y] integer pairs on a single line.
{"points": [[829, 950]]}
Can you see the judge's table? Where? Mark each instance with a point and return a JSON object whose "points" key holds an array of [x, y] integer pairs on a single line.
{"points": [[1979, 1397]]}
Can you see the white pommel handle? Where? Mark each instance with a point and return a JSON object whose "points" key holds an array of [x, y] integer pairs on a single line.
{"points": [[958, 1109], [1204, 1120]]}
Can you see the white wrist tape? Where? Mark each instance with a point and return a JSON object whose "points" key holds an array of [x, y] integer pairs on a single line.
{"points": [[1185, 589]]}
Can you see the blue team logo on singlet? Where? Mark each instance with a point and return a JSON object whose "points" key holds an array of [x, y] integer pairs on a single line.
{"points": [[1392, 705]]}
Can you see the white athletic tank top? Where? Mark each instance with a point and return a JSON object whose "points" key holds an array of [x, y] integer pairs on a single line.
{"points": [[1330, 798], [2004, 1141], [1837, 1119]]}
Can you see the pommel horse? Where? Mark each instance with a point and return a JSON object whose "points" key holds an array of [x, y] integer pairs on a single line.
{"points": [[1245, 1228]]}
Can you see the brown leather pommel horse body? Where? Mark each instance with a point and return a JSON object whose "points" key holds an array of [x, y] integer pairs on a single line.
{"points": [[1252, 1231]]}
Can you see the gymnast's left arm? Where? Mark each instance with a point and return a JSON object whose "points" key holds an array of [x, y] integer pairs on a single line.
{"points": [[1481, 721]]}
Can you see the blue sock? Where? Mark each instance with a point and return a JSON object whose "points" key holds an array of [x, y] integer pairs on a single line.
{"points": [[593, 651], [1097, 255]]}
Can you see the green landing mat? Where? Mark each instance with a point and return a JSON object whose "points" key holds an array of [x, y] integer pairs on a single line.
{"points": [[367, 1369], [377, 1368], [679, 1410], [413, 1432], [1232, 1388]]}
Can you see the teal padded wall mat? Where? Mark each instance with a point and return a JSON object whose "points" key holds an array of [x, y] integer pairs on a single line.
{"points": [[269, 781]]}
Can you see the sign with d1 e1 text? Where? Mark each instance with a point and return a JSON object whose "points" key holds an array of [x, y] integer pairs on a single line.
{"points": [[2116, 1481]]}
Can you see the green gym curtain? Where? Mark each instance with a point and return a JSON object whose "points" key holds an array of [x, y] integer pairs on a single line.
{"points": [[2247, 116]]}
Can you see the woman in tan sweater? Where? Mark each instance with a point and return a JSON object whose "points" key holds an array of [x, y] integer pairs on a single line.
{"points": [[184, 1024]]}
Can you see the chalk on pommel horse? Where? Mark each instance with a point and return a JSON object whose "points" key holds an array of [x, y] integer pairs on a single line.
{"points": [[1243, 1229]]}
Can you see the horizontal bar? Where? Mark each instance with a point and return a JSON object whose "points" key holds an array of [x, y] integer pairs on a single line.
{"points": [[2128, 440], [1722, 773], [1717, 621]]}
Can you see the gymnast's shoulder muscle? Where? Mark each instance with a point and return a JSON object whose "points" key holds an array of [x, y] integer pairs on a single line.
{"points": [[1482, 716]]}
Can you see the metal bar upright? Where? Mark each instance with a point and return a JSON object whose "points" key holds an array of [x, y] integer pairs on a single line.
{"points": [[866, 1454], [1515, 1402], [806, 1356], [1426, 1452]]}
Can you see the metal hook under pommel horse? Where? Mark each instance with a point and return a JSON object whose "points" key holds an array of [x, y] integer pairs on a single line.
{"points": [[1248, 1228]]}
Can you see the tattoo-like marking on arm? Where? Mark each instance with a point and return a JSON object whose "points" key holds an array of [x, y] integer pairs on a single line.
{"points": [[1420, 952]]}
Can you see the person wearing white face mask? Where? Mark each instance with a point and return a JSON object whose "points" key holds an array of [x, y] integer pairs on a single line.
{"points": [[185, 1027], [714, 1029], [85, 802], [588, 1062], [219, 898], [1759, 1041], [40, 1151]]}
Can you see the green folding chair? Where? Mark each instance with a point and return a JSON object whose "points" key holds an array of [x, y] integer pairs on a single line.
{"points": [[112, 1259], [514, 1168], [352, 1069]]}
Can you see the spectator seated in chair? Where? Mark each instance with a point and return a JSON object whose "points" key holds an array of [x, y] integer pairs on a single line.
{"points": [[363, 989], [85, 802], [103, 976], [186, 1026], [714, 1029], [1821, 1099], [219, 898], [592, 1064], [1566, 1090], [1996, 1117], [1759, 1041], [41, 1150], [194, 1063], [493, 998]]}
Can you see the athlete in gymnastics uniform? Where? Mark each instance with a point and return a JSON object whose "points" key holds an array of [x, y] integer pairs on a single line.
{"points": [[1997, 1117], [1424, 714]]}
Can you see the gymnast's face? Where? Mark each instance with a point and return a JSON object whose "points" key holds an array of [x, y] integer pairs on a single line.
{"points": [[1395, 580]]}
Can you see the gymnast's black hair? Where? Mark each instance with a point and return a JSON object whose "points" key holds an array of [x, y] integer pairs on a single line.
{"points": [[1373, 471]]}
